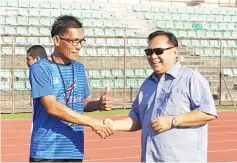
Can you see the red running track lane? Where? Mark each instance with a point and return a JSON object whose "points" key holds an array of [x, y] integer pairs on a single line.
{"points": [[122, 146]]}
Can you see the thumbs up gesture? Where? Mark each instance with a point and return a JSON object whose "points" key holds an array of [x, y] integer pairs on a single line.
{"points": [[105, 102]]}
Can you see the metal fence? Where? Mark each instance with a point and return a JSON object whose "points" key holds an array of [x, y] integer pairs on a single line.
{"points": [[118, 63]]}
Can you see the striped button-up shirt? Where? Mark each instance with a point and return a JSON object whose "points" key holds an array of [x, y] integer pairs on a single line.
{"points": [[178, 91]]}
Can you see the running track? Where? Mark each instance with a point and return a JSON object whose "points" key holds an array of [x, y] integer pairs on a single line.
{"points": [[122, 146]]}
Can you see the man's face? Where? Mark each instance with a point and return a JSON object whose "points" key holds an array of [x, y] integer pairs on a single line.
{"points": [[163, 62], [30, 60], [70, 43]]}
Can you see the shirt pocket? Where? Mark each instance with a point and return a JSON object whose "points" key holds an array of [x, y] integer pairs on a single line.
{"points": [[171, 103]]}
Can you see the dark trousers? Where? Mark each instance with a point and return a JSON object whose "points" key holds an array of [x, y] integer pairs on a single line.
{"points": [[54, 160]]}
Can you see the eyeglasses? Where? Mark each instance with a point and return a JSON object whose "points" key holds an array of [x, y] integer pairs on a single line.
{"points": [[73, 42], [157, 51]]}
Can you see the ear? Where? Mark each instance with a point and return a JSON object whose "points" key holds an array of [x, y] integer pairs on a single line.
{"points": [[176, 53], [37, 58], [56, 40]]}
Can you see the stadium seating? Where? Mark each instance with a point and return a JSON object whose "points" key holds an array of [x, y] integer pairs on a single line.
{"points": [[5, 86], [201, 31], [20, 85]]}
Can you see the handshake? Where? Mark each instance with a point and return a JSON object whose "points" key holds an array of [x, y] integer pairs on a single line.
{"points": [[104, 128]]}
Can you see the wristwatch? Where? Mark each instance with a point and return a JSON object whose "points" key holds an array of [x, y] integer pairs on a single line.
{"points": [[175, 122]]}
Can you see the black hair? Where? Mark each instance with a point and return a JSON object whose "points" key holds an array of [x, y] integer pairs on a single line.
{"points": [[62, 23], [37, 51], [172, 38]]}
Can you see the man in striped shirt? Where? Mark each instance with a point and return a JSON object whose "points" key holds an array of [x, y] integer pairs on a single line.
{"points": [[61, 95]]}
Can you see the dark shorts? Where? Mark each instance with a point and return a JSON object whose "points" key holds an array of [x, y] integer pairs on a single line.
{"points": [[54, 160]]}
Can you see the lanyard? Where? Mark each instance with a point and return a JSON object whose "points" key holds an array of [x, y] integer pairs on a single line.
{"points": [[70, 125], [65, 91]]}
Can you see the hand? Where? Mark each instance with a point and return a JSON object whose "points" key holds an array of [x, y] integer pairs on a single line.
{"points": [[161, 123], [102, 129], [105, 102], [110, 123]]}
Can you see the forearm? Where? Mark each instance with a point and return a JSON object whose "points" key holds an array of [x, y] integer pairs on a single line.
{"points": [[92, 106], [64, 113], [127, 124], [193, 118], [194, 124]]}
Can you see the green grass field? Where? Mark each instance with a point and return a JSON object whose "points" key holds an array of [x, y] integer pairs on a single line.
{"points": [[97, 113]]}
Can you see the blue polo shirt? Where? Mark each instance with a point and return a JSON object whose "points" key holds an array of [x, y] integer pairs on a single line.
{"points": [[51, 137], [178, 91]]}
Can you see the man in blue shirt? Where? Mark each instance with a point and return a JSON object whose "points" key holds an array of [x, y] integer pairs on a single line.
{"points": [[33, 54], [172, 107], [61, 94]]}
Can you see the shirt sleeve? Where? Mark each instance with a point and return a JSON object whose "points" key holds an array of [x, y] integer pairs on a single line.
{"points": [[201, 96], [40, 82], [134, 112]]}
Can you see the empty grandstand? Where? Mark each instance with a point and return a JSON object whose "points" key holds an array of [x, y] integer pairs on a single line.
{"points": [[116, 32]]}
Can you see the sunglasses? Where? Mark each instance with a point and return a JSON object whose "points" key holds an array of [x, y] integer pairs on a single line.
{"points": [[157, 51]]}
